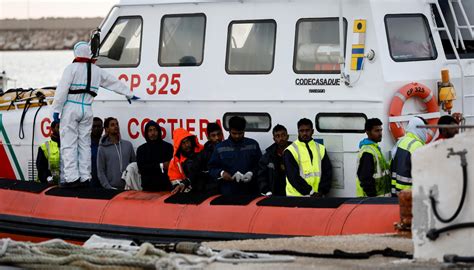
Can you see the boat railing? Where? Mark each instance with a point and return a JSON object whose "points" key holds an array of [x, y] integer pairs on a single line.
{"points": [[457, 42]]}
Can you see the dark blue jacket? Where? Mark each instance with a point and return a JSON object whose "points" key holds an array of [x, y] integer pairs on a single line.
{"points": [[231, 157]]}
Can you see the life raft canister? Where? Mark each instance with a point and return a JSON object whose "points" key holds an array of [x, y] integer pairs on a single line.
{"points": [[401, 96]]}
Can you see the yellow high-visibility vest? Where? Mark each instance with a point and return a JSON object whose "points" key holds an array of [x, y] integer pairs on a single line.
{"points": [[51, 152], [309, 171], [401, 174], [381, 174]]}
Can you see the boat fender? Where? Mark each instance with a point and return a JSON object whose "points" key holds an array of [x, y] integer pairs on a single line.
{"points": [[401, 96]]}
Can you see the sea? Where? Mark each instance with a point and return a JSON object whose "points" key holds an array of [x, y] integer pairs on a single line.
{"points": [[34, 69]]}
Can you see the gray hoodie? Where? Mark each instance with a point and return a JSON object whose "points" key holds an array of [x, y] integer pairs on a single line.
{"points": [[109, 157]]}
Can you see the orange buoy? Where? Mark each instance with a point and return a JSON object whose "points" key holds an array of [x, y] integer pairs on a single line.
{"points": [[401, 96]]}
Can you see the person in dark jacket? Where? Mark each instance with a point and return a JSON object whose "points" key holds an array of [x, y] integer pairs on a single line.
{"points": [[47, 160], [373, 171], [198, 168], [234, 162], [308, 168], [271, 174], [153, 159], [96, 134]]}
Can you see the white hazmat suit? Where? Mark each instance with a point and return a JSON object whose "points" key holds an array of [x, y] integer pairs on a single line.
{"points": [[76, 112]]}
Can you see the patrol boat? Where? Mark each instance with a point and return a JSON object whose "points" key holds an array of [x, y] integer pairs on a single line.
{"points": [[194, 62]]}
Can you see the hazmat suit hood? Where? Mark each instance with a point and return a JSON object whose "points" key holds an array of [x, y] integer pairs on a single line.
{"points": [[82, 50]]}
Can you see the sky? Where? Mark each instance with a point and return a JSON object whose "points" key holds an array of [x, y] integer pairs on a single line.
{"points": [[24, 9]]}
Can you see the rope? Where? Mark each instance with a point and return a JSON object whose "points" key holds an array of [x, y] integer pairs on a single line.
{"points": [[57, 253]]}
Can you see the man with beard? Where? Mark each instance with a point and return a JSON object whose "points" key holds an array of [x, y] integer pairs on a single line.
{"points": [[308, 168], [234, 162], [47, 160], [186, 146], [153, 159], [271, 174], [113, 156]]}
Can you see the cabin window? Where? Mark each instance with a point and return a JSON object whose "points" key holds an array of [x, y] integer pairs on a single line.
{"points": [[256, 122], [409, 38], [121, 47], [340, 122], [251, 47], [182, 40], [317, 46]]}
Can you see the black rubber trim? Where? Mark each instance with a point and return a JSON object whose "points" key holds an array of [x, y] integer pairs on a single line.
{"points": [[373, 200], [82, 231], [189, 198], [26, 186], [234, 200], [6, 183], [302, 202], [84, 193]]}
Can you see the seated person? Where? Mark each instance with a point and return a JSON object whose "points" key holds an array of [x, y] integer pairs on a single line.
{"points": [[234, 162], [47, 161], [113, 156], [153, 159], [271, 174], [199, 173], [186, 146]]}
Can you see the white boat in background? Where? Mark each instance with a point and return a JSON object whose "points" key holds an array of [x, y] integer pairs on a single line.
{"points": [[194, 62]]}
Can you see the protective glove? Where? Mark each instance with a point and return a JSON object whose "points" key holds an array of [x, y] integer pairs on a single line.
{"points": [[133, 98], [56, 117], [247, 177], [238, 176]]}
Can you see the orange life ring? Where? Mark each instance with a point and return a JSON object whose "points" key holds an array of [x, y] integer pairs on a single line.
{"points": [[408, 91]]}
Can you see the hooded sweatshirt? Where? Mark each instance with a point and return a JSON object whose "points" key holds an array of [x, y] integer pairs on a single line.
{"points": [[420, 133], [150, 158], [112, 160], [176, 170]]}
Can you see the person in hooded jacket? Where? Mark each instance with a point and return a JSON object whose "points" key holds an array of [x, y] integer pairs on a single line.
{"points": [[73, 99], [186, 146], [153, 159], [400, 166], [113, 156]]}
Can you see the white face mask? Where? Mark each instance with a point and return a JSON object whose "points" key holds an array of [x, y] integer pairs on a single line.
{"points": [[419, 132]]}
